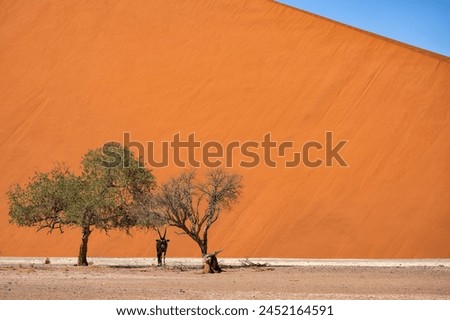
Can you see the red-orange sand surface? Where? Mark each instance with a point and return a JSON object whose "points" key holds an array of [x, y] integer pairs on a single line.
{"points": [[75, 74]]}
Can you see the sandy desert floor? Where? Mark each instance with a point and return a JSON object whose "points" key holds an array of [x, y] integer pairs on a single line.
{"points": [[178, 281]]}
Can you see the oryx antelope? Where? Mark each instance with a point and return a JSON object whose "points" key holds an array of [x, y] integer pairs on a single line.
{"points": [[161, 248]]}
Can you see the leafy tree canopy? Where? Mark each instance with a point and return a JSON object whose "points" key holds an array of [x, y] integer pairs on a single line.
{"points": [[101, 197]]}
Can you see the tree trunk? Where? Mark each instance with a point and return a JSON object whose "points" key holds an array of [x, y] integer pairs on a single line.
{"points": [[203, 247], [82, 255], [204, 244]]}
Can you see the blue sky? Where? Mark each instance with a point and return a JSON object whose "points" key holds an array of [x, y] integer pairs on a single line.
{"points": [[421, 23]]}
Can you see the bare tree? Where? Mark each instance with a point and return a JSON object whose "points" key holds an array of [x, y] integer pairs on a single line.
{"points": [[193, 206]]}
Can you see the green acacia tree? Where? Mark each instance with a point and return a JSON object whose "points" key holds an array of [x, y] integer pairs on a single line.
{"points": [[112, 182]]}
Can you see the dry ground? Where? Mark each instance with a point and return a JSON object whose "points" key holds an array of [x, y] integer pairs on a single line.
{"points": [[180, 282]]}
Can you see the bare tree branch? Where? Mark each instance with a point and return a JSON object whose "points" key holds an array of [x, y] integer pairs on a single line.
{"points": [[194, 206]]}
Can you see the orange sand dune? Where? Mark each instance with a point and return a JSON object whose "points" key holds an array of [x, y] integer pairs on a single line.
{"points": [[75, 75]]}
